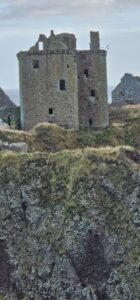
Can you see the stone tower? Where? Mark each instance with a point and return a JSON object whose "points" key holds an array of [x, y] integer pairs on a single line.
{"points": [[62, 85], [92, 85], [48, 83]]}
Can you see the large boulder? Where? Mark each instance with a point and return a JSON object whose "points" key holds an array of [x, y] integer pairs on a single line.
{"points": [[15, 147]]}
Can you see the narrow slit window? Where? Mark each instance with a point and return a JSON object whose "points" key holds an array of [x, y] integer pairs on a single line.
{"points": [[86, 73], [90, 122], [40, 45], [92, 93], [35, 64], [62, 85], [50, 111]]}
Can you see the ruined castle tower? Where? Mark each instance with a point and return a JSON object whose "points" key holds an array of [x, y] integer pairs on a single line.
{"points": [[62, 85], [92, 85]]}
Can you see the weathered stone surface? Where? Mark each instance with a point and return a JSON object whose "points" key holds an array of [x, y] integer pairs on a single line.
{"points": [[93, 110], [69, 223], [128, 91]]}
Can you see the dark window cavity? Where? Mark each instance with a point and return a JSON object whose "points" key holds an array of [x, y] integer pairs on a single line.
{"points": [[67, 66], [62, 85], [86, 73], [92, 93], [90, 122], [35, 64], [9, 120], [50, 111]]}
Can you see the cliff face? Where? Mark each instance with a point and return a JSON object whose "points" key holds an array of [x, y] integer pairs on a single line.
{"points": [[69, 225]]}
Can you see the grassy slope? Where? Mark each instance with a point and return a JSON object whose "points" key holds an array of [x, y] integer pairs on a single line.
{"points": [[124, 129]]}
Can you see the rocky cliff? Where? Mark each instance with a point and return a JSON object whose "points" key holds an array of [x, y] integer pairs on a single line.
{"points": [[5, 101], [9, 112], [127, 91], [70, 222]]}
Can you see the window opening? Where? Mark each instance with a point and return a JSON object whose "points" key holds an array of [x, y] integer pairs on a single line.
{"points": [[9, 120], [86, 73], [67, 66], [90, 122], [62, 85], [92, 93], [50, 111], [40, 46], [35, 64]]}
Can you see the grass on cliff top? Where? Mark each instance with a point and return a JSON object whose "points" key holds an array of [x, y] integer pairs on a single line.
{"points": [[124, 129], [126, 113], [9, 158]]}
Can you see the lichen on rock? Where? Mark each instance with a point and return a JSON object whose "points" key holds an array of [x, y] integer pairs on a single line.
{"points": [[69, 222]]}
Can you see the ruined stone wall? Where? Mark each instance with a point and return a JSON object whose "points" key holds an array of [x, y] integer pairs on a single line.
{"points": [[41, 97], [94, 40], [101, 88], [68, 39], [128, 91], [12, 114], [92, 87]]}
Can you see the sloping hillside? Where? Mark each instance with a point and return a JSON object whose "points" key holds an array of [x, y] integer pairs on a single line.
{"points": [[124, 129]]}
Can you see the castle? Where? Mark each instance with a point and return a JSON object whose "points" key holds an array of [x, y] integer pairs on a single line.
{"points": [[63, 85]]}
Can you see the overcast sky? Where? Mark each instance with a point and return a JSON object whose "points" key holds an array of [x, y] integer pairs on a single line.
{"points": [[118, 21]]}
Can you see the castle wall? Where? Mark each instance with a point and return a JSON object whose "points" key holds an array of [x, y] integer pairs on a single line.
{"points": [[41, 97], [92, 89], [101, 88]]}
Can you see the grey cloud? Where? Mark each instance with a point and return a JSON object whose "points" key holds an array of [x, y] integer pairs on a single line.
{"points": [[16, 9]]}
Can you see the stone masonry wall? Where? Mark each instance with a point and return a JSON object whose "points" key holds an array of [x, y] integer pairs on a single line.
{"points": [[40, 89], [69, 40], [92, 87], [101, 117]]}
